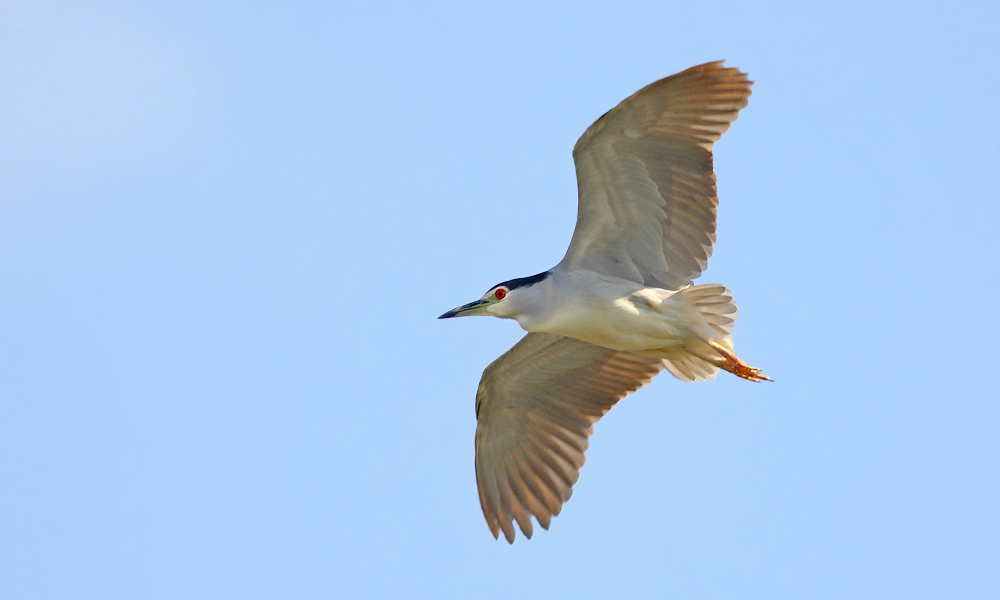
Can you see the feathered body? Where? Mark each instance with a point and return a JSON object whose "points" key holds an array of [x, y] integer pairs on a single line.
{"points": [[621, 305]]}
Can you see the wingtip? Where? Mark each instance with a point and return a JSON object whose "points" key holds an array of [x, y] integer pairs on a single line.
{"points": [[717, 65]]}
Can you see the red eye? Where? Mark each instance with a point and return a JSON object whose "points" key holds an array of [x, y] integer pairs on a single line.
{"points": [[500, 293]]}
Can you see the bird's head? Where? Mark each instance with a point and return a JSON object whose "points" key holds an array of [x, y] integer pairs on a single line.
{"points": [[490, 304], [505, 300]]}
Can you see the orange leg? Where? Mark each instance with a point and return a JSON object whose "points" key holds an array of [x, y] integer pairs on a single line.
{"points": [[737, 367]]}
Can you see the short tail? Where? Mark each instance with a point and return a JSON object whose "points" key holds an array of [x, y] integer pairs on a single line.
{"points": [[712, 346], [715, 303]]}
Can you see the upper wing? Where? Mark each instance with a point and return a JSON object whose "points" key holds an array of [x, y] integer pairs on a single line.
{"points": [[647, 185], [536, 407]]}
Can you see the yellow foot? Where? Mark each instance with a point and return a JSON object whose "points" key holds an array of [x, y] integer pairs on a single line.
{"points": [[737, 367]]}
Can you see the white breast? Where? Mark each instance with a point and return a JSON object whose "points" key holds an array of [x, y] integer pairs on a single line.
{"points": [[613, 313]]}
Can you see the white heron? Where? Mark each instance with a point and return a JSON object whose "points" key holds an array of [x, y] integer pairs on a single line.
{"points": [[621, 305]]}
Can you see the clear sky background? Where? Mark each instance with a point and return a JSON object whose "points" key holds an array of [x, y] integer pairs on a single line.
{"points": [[227, 229]]}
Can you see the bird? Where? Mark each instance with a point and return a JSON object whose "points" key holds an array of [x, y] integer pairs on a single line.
{"points": [[620, 306]]}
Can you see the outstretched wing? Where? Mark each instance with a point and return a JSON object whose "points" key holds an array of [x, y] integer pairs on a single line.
{"points": [[536, 407], [647, 186]]}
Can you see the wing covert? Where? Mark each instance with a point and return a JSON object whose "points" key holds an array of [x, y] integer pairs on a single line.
{"points": [[536, 407], [647, 206]]}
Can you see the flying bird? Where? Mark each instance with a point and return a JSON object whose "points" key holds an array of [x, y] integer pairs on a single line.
{"points": [[621, 305]]}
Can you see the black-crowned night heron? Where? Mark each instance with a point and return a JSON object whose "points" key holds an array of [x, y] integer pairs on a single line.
{"points": [[620, 306]]}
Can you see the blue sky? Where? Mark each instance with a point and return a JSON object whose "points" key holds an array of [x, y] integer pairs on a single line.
{"points": [[227, 229]]}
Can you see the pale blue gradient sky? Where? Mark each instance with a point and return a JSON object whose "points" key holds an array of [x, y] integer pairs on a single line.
{"points": [[227, 229]]}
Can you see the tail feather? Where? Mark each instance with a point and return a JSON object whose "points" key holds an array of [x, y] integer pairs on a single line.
{"points": [[716, 305], [691, 368]]}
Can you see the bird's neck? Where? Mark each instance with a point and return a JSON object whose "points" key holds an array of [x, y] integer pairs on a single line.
{"points": [[533, 303]]}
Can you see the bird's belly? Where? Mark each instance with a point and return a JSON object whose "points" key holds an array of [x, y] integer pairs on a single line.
{"points": [[643, 321]]}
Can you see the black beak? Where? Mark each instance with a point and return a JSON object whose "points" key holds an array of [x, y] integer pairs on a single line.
{"points": [[461, 310]]}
